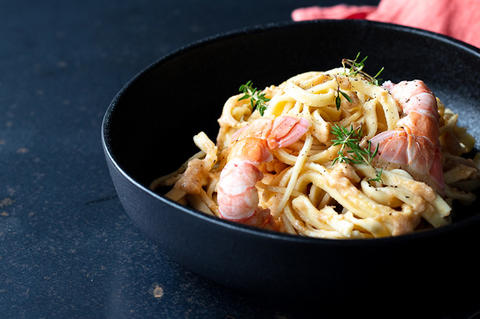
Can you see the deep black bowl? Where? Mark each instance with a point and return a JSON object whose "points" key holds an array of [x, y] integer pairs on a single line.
{"points": [[148, 128]]}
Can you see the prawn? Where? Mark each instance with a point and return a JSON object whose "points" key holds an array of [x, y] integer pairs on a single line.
{"points": [[237, 195], [414, 145]]}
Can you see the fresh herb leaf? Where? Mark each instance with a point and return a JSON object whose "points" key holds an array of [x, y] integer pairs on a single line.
{"points": [[349, 139], [378, 73], [346, 96], [357, 68], [337, 97], [375, 80], [378, 177], [341, 158], [337, 102], [261, 109], [257, 98]]}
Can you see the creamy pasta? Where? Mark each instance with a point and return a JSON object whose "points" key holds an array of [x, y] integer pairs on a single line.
{"points": [[305, 188]]}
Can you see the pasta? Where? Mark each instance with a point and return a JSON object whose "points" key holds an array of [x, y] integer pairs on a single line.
{"points": [[306, 188]]}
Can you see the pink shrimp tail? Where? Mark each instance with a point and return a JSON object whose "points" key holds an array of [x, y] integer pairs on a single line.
{"points": [[414, 146], [286, 131], [413, 153], [237, 195], [388, 85]]}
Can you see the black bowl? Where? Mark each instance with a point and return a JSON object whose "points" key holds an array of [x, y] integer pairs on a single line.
{"points": [[148, 128]]}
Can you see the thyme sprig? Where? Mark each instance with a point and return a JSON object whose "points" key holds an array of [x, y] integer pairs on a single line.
{"points": [[350, 151], [378, 177], [376, 80], [258, 99], [356, 67]]}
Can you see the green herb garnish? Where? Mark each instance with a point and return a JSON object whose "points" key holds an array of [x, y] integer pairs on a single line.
{"points": [[375, 80], [378, 178], [337, 97], [349, 139], [356, 67], [257, 98]]}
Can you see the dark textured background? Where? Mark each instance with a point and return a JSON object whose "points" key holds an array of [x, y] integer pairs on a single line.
{"points": [[67, 249]]}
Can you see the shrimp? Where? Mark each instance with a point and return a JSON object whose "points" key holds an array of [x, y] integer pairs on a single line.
{"points": [[414, 145], [237, 195]]}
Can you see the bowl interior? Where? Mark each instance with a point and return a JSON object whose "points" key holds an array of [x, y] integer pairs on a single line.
{"points": [[150, 127]]}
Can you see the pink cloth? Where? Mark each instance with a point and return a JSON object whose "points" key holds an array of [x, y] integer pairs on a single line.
{"points": [[459, 19]]}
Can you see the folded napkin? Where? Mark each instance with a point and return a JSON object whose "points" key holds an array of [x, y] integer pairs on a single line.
{"points": [[459, 19]]}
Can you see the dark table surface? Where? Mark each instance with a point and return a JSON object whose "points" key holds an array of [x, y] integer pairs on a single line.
{"points": [[67, 248]]}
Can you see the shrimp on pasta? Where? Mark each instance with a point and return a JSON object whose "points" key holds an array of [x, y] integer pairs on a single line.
{"points": [[237, 195], [415, 144], [332, 154]]}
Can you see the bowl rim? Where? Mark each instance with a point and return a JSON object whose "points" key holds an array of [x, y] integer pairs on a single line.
{"points": [[250, 230]]}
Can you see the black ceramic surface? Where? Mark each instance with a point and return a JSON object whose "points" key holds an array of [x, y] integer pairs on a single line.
{"points": [[148, 132]]}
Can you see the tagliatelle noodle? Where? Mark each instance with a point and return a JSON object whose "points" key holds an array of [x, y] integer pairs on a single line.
{"points": [[311, 196]]}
